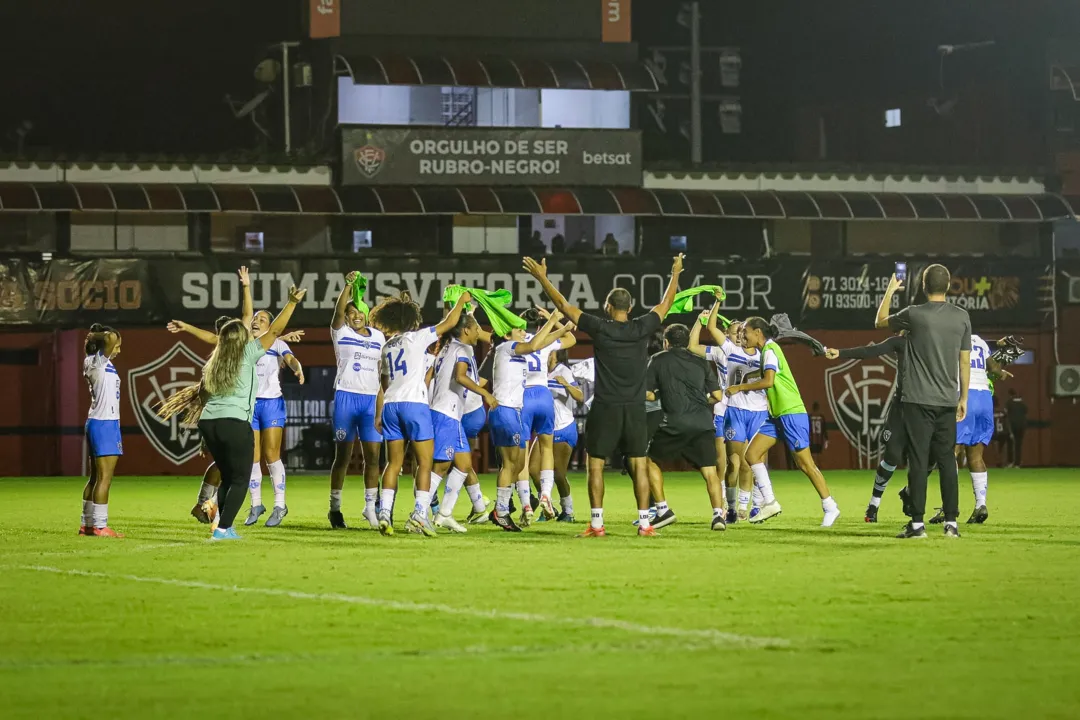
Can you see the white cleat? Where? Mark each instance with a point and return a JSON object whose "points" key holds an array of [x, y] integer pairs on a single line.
{"points": [[768, 510], [372, 517], [547, 510], [830, 517], [447, 522]]}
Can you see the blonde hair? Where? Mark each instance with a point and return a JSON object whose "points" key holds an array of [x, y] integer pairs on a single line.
{"points": [[219, 375]]}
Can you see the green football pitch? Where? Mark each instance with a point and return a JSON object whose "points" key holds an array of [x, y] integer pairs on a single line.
{"points": [[784, 620]]}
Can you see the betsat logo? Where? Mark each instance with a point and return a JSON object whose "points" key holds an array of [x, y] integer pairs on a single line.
{"points": [[152, 384], [859, 394]]}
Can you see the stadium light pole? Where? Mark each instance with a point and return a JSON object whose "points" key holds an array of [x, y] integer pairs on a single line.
{"points": [[695, 83], [287, 81]]}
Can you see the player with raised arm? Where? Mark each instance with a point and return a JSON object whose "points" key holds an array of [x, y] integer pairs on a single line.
{"points": [[103, 440], [510, 371], [564, 389], [357, 387], [403, 413], [787, 417], [455, 377], [617, 417]]}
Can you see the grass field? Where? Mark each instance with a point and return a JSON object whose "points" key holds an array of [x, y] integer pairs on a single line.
{"points": [[784, 620]]}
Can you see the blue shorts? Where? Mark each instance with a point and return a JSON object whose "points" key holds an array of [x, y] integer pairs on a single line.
{"points": [[103, 438], [505, 423], [567, 435], [718, 425], [449, 437], [407, 421], [269, 413], [977, 427], [795, 428], [538, 412], [354, 417], [474, 422], [741, 425]]}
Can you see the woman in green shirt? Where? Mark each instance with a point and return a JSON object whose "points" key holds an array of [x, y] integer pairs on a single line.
{"points": [[787, 417], [223, 402]]}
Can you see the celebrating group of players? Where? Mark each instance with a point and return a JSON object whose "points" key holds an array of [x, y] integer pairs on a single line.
{"points": [[400, 386]]}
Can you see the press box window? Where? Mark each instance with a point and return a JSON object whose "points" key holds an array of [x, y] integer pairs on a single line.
{"points": [[361, 240], [892, 118]]}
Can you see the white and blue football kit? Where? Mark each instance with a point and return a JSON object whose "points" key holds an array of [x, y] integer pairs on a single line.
{"points": [[103, 423], [269, 403], [565, 425], [406, 412], [448, 400], [719, 355], [747, 411], [509, 372], [538, 407], [356, 386], [977, 427]]}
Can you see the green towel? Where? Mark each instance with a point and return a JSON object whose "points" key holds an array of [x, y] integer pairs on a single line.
{"points": [[684, 301], [359, 288], [494, 304]]}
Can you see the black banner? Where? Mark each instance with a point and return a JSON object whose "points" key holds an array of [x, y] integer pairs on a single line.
{"points": [[836, 294], [489, 156]]}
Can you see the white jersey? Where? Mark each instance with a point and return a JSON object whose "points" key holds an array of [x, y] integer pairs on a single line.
{"points": [[448, 397], [564, 413], [104, 384], [719, 355], [744, 366], [509, 371], [268, 371], [429, 362], [404, 362], [358, 359], [473, 401], [538, 363], [980, 355]]}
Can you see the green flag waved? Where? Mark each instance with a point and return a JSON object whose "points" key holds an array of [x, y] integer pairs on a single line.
{"points": [[684, 300], [493, 303], [359, 289]]}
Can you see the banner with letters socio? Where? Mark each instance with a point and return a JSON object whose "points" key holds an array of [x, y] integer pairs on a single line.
{"points": [[490, 156], [837, 294]]}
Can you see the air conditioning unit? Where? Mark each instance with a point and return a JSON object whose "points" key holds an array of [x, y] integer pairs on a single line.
{"points": [[1074, 290], [1065, 381]]}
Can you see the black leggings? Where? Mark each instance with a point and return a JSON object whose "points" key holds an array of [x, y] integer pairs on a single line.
{"points": [[232, 445]]}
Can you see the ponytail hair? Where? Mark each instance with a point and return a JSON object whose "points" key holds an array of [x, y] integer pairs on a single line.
{"points": [[769, 330]]}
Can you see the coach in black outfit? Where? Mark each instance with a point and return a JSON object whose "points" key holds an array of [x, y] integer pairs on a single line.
{"points": [[617, 417], [935, 388]]}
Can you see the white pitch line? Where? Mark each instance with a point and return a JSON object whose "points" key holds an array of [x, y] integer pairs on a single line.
{"points": [[707, 634]]}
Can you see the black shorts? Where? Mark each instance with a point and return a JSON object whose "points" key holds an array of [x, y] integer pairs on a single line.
{"points": [[816, 448], [697, 447], [611, 429], [652, 422], [894, 435]]}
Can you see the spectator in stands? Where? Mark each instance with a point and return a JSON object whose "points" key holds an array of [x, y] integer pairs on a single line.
{"points": [[584, 245], [535, 245], [610, 246], [558, 244]]}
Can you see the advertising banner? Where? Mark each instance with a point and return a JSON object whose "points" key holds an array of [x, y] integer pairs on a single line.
{"points": [[324, 19], [490, 156], [616, 21], [837, 294]]}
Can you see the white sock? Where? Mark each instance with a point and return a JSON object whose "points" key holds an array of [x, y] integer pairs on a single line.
{"points": [[567, 505], [206, 492], [758, 499], [371, 496], [731, 494], [502, 500], [744, 499], [335, 501], [597, 520], [277, 476], [978, 486], [101, 516], [523, 493], [477, 497], [661, 507], [916, 526], [454, 481], [761, 479], [718, 512], [828, 504], [422, 503], [547, 482], [256, 485], [436, 483], [875, 501], [387, 500], [643, 518], [87, 513]]}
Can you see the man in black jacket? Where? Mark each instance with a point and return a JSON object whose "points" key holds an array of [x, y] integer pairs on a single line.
{"points": [[893, 433]]}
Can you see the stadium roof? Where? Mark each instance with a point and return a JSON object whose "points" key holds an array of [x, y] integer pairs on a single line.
{"points": [[325, 200]]}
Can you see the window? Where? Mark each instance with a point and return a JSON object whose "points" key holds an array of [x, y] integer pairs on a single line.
{"points": [[458, 106], [361, 239], [892, 118]]}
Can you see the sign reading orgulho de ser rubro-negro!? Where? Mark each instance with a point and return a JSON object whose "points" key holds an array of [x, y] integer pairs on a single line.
{"points": [[490, 156]]}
